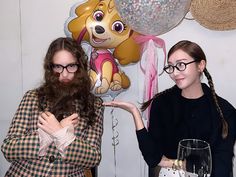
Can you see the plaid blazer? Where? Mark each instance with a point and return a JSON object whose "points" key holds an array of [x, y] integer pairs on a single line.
{"points": [[21, 146]]}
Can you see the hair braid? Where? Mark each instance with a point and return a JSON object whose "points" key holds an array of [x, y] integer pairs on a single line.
{"points": [[224, 123], [147, 103]]}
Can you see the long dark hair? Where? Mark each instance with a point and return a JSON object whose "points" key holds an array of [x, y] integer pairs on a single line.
{"points": [[196, 52], [78, 90]]}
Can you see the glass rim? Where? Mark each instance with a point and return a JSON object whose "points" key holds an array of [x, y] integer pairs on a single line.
{"points": [[204, 143]]}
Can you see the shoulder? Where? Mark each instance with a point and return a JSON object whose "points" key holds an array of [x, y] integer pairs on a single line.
{"points": [[229, 113], [29, 100], [98, 106], [31, 95], [168, 95], [98, 102], [225, 104], [166, 100], [227, 108]]}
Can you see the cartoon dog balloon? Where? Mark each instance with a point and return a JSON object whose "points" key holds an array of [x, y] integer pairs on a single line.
{"points": [[98, 23]]}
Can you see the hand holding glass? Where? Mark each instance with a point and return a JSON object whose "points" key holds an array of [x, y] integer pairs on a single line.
{"points": [[195, 156]]}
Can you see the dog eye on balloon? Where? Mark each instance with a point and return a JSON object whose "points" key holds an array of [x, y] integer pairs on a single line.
{"points": [[118, 26], [98, 15]]}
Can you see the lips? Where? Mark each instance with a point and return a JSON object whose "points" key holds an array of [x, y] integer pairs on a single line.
{"points": [[65, 80], [97, 40], [178, 80]]}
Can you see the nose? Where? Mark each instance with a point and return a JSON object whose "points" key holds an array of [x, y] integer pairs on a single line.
{"points": [[175, 72], [99, 29], [64, 72]]}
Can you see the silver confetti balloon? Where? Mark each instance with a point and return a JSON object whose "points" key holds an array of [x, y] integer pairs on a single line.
{"points": [[152, 17]]}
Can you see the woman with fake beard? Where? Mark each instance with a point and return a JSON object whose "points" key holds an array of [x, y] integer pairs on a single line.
{"points": [[57, 128]]}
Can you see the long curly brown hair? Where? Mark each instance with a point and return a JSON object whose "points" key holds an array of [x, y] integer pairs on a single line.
{"points": [[61, 98]]}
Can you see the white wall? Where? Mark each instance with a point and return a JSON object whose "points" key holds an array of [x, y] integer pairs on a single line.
{"points": [[10, 72], [27, 28]]}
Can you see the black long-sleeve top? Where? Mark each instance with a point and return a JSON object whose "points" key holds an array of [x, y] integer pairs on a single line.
{"points": [[173, 117]]}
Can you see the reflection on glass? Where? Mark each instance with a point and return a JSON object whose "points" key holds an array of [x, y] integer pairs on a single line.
{"points": [[195, 157]]}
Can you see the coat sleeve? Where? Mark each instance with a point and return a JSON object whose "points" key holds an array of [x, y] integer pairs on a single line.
{"points": [[22, 141], [87, 152]]}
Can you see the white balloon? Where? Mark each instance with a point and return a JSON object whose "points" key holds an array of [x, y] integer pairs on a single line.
{"points": [[152, 17]]}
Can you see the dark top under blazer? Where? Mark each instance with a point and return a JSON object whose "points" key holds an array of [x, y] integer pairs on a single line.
{"points": [[167, 127]]}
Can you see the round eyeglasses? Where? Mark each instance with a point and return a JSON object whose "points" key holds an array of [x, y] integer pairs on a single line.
{"points": [[180, 66], [71, 68]]}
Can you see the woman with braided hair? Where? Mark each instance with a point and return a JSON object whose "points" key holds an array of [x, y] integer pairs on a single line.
{"points": [[189, 109]]}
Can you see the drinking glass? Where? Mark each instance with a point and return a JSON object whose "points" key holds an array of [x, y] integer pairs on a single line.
{"points": [[194, 156]]}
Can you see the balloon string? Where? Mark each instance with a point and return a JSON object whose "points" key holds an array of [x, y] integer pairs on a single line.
{"points": [[115, 135]]}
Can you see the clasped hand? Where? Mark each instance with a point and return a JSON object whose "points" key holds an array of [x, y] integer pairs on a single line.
{"points": [[48, 122]]}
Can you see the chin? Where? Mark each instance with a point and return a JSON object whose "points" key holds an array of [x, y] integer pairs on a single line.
{"points": [[181, 86]]}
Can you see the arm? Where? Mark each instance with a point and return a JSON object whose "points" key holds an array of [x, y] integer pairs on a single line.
{"points": [[61, 133], [222, 156], [223, 149], [148, 146], [22, 141], [130, 108], [87, 152]]}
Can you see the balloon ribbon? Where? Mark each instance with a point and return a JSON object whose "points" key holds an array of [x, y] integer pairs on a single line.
{"points": [[149, 44]]}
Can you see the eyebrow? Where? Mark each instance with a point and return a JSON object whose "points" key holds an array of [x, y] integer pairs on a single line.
{"points": [[66, 64], [179, 60]]}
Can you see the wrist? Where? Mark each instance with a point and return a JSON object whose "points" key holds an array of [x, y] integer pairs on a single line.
{"points": [[177, 164], [137, 119], [59, 127]]}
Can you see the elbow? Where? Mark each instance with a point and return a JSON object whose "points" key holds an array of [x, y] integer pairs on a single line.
{"points": [[91, 161], [5, 150], [97, 159], [152, 160], [151, 163]]}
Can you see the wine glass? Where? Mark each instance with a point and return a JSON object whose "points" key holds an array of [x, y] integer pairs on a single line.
{"points": [[194, 155]]}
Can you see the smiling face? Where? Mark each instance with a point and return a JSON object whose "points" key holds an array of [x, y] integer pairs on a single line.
{"points": [[188, 79], [64, 58], [105, 27]]}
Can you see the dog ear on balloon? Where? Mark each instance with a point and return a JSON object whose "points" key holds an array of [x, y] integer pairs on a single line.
{"points": [[128, 51], [77, 25]]}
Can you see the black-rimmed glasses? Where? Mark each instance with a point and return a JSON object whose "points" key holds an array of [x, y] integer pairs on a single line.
{"points": [[180, 66], [71, 68]]}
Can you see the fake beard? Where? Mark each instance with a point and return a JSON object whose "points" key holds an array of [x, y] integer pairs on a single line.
{"points": [[63, 99]]}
